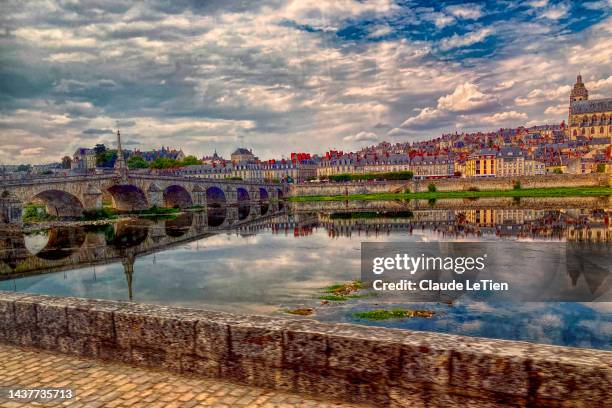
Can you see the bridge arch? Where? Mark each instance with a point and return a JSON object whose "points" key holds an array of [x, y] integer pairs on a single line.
{"points": [[244, 209], [216, 216], [127, 197], [215, 197], [263, 194], [59, 203], [242, 194], [179, 226], [177, 197], [61, 243]]}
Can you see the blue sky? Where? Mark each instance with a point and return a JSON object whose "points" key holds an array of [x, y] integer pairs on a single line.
{"points": [[283, 76]]}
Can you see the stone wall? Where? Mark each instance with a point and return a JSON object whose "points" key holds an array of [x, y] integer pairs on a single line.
{"points": [[384, 367], [455, 184]]}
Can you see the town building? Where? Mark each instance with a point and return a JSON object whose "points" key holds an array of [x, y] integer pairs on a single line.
{"points": [[481, 163], [243, 155], [84, 159]]}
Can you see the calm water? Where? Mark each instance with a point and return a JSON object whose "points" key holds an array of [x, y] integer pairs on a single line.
{"points": [[226, 260]]}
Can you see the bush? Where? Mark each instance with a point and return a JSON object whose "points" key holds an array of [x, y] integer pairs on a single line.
{"points": [[517, 185], [99, 214], [557, 171], [473, 188], [431, 187], [392, 175], [407, 191]]}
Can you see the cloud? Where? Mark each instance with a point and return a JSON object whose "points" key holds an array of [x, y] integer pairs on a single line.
{"points": [[32, 151], [503, 117], [468, 39], [466, 11], [543, 95], [212, 75], [361, 137], [380, 31], [555, 12], [466, 97], [556, 109], [597, 5], [96, 132]]}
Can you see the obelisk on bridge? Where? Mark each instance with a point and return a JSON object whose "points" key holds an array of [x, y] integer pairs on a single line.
{"points": [[120, 164]]}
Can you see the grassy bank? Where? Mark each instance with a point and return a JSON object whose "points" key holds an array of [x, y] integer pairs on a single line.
{"points": [[429, 195]]}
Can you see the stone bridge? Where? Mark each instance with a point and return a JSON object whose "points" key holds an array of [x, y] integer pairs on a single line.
{"points": [[70, 196]]}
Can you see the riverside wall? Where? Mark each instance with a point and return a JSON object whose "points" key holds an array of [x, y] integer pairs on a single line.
{"points": [[454, 184], [383, 367]]}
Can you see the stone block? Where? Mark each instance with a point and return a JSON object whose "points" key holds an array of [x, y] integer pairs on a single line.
{"points": [[196, 364], [423, 363], [258, 374], [304, 349], [51, 318], [148, 356], [476, 370], [257, 343], [155, 330], [565, 381], [114, 352], [80, 346], [96, 321], [367, 356], [25, 313], [212, 339]]}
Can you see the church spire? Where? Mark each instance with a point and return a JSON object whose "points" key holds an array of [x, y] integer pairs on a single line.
{"points": [[120, 165]]}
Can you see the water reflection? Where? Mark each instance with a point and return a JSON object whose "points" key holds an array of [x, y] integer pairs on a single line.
{"points": [[267, 260]]}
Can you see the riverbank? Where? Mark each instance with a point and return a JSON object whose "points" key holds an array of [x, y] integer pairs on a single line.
{"points": [[434, 195]]}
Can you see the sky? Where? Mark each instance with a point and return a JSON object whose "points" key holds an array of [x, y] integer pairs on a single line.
{"points": [[287, 76]]}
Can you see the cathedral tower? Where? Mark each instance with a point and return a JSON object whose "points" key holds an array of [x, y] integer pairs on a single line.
{"points": [[579, 92]]}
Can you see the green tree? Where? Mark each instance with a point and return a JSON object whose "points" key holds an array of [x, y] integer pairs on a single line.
{"points": [[66, 162], [164, 163], [191, 161], [24, 167], [601, 167], [137, 162], [431, 187], [100, 150], [558, 171]]}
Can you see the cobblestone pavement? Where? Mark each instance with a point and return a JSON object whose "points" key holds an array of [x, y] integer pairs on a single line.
{"points": [[102, 384]]}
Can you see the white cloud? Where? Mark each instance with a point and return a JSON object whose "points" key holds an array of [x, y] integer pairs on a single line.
{"points": [[504, 85], [544, 95], [471, 38], [466, 97], [556, 109], [32, 151], [510, 116], [465, 11], [598, 5], [555, 12], [380, 31], [361, 137]]}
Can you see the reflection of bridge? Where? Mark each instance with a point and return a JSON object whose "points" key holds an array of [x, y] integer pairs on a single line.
{"points": [[69, 196], [71, 247]]}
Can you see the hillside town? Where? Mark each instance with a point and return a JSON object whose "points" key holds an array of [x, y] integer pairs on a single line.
{"points": [[580, 145]]}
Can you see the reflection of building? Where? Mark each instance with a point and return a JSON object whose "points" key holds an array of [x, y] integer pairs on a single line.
{"points": [[590, 118]]}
